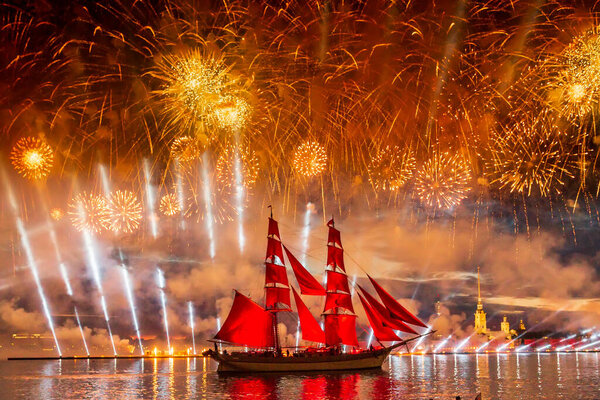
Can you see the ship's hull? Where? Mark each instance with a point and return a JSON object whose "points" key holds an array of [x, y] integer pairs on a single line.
{"points": [[241, 362]]}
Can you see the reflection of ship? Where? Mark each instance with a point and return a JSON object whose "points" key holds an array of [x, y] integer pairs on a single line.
{"points": [[249, 324]]}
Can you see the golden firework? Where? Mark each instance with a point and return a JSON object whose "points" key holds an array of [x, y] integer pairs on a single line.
{"points": [[185, 149], [573, 75], [89, 212], [125, 211], [169, 205], [237, 157], [57, 214], [390, 168], [32, 158], [443, 181], [198, 87], [231, 113], [310, 159], [532, 156]]}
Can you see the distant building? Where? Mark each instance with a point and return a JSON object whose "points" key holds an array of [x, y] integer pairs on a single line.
{"points": [[521, 326], [505, 327], [438, 308], [480, 319]]}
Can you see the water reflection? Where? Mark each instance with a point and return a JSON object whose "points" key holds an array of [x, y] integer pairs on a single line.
{"points": [[510, 376]]}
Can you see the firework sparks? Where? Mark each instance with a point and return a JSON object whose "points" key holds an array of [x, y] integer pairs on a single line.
{"points": [[231, 113], [443, 181], [32, 158], [125, 211], [89, 212], [391, 168], [310, 159], [199, 88], [185, 149], [225, 168], [57, 214], [533, 155], [169, 205], [574, 75]]}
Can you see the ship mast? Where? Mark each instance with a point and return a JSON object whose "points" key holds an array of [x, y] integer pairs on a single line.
{"points": [[277, 289]]}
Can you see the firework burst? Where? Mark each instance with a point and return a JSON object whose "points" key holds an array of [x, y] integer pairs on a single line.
{"points": [[32, 158], [390, 168], [533, 156], [185, 149], [57, 214], [310, 159], [571, 77], [225, 168], [198, 88], [443, 181], [125, 211], [89, 212], [169, 205]]}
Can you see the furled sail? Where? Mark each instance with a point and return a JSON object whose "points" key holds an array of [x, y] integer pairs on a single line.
{"points": [[311, 330], [247, 324], [384, 315], [340, 328], [395, 308], [277, 291], [308, 284], [381, 332]]}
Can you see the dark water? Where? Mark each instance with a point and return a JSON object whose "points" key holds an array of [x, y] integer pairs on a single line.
{"points": [[526, 376]]}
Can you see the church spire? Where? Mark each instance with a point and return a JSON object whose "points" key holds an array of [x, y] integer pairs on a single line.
{"points": [[480, 318]]}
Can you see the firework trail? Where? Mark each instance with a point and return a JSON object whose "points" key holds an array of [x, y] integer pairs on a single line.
{"points": [[206, 189], [191, 313], [160, 281], [150, 200], [130, 300], [93, 264], [30, 259]]}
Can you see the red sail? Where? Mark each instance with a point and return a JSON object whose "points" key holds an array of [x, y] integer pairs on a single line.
{"points": [[248, 324], [337, 281], [274, 251], [335, 300], [387, 319], [273, 229], [335, 258], [275, 274], [380, 331], [311, 330], [334, 239], [395, 308], [308, 284], [340, 328], [276, 297]]}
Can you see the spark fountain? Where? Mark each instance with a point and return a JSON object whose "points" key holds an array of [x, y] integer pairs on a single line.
{"points": [[160, 281], [462, 344], [150, 201], [93, 264], [130, 300], [191, 312], [441, 344], [208, 204], [306, 230], [31, 260], [239, 195], [65, 276], [38, 283]]}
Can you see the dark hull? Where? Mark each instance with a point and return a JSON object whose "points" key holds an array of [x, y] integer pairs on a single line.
{"points": [[242, 362]]}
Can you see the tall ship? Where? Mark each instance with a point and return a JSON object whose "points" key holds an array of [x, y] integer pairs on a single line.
{"points": [[335, 346]]}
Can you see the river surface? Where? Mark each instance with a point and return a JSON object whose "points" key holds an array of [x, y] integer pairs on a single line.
{"points": [[502, 376]]}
